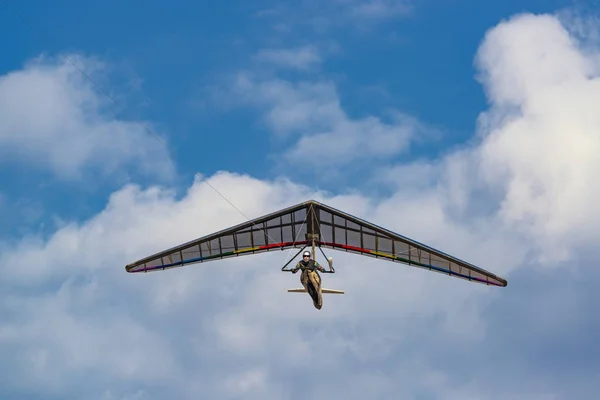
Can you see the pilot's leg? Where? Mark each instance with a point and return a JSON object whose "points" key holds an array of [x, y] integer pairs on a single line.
{"points": [[316, 289], [304, 279], [317, 278]]}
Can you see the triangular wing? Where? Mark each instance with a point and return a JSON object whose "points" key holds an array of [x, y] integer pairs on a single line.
{"points": [[341, 231], [280, 230], [298, 226]]}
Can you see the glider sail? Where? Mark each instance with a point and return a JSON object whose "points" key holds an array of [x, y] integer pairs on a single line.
{"points": [[298, 226]]}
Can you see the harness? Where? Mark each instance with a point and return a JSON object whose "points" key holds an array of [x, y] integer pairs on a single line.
{"points": [[309, 266]]}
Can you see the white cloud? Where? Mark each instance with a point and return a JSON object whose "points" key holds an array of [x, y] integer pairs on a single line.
{"points": [[302, 58], [53, 117], [324, 17], [533, 168], [229, 329], [131, 330], [313, 112], [542, 133], [377, 9]]}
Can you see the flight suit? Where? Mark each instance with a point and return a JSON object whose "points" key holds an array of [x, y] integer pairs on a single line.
{"points": [[310, 274]]}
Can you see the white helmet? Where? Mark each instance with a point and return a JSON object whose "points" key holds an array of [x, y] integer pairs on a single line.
{"points": [[306, 254]]}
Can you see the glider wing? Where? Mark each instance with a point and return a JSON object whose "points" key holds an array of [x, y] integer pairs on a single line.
{"points": [[280, 230], [341, 231], [301, 224]]}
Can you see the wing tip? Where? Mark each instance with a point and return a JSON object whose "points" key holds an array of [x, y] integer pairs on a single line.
{"points": [[129, 268], [497, 281]]}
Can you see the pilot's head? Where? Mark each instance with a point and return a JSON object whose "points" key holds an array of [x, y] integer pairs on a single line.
{"points": [[305, 257]]}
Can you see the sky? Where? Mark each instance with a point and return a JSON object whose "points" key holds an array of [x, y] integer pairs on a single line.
{"points": [[128, 129]]}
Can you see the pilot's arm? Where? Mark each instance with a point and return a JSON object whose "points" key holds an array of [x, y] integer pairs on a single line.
{"points": [[295, 269], [319, 267]]}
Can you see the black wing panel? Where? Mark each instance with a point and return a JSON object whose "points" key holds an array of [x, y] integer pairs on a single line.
{"points": [[278, 231], [342, 231]]}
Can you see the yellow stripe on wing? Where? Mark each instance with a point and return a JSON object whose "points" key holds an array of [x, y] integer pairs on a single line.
{"points": [[245, 250], [383, 254]]}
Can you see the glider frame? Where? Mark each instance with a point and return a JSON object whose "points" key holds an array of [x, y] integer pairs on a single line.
{"points": [[321, 226]]}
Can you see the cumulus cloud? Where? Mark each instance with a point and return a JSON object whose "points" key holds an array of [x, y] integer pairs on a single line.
{"points": [[230, 330], [533, 167], [312, 112], [542, 132], [52, 117], [80, 275]]}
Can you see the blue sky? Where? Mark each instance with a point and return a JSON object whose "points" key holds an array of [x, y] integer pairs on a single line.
{"points": [[467, 126], [165, 59]]}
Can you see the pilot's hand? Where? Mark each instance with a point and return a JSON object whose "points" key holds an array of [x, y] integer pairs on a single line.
{"points": [[294, 270]]}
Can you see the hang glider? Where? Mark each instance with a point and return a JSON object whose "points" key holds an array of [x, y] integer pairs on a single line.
{"points": [[313, 224]]}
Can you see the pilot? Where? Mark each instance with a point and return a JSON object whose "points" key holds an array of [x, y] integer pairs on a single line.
{"points": [[307, 264], [309, 269]]}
